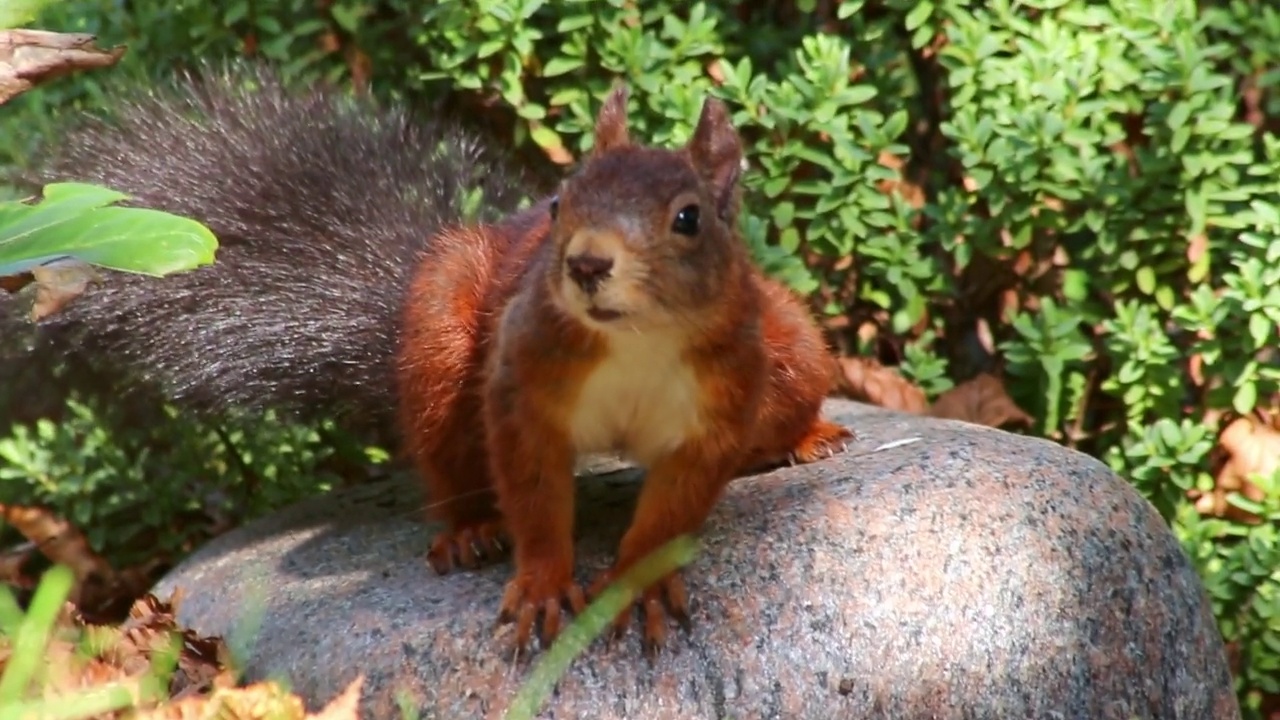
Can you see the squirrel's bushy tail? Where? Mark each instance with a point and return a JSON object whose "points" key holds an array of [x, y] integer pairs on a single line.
{"points": [[322, 203]]}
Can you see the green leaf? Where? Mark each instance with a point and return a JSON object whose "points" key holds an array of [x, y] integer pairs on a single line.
{"points": [[1146, 278], [1178, 116], [918, 15], [32, 636], [75, 220], [859, 94], [789, 240], [569, 23], [1259, 329], [783, 214], [347, 17], [545, 136], [16, 13], [561, 65], [1245, 398]]}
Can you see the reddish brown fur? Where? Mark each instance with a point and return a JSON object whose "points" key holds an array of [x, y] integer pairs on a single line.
{"points": [[498, 356]]}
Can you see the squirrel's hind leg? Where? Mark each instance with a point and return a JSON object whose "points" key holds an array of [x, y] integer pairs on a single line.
{"points": [[460, 494], [441, 418], [474, 537], [451, 457], [822, 440]]}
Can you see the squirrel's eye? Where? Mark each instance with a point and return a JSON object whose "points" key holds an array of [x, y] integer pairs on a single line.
{"points": [[686, 222], [554, 209]]}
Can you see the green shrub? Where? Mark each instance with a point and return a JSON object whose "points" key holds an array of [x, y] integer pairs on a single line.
{"points": [[142, 492], [1082, 195]]}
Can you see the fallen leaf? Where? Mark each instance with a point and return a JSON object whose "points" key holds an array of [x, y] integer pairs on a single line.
{"points": [[550, 144], [985, 337], [57, 539], [13, 283], [981, 400], [1248, 446], [911, 192], [344, 707], [1197, 247], [1252, 446], [1195, 367], [13, 564], [329, 42], [361, 67], [260, 701], [867, 380], [99, 588], [58, 283], [716, 71], [30, 57]]}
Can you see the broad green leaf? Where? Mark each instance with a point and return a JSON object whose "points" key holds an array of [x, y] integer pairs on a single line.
{"points": [[1245, 398], [1146, 279], [16, 13], [561, 65], [75, 220], [918, 14]]}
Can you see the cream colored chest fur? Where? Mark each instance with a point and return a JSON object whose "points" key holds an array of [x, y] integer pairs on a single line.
{"points": [[641, 402]]}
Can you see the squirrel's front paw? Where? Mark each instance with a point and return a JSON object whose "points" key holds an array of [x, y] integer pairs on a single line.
{"points": [[538, 595], [468, 546], [665, 599]]}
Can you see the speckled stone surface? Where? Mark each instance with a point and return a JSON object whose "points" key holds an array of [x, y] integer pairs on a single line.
{"points": [[935, 570]]}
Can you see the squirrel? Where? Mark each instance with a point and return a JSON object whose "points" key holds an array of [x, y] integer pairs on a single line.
{"points": [[621, 312]]}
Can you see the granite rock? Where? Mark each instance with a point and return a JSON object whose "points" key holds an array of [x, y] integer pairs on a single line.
{"points": [[935, 570]]}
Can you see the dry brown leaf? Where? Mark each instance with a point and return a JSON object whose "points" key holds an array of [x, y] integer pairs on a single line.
{"points": [[911, 192], [716, 71], [58, 283], [1195, 367], [868, 331], [1010, 304], [260, 701], [99, 588], [57, 539], [30, 57], [13, 564], [981, 400], [867, 380], [1248, 445], [1197, 247], [557, 153], [13, 283], [344, 707], [203, 686], [329, 42], [361, 67], [1252, 446], [986, 339]]}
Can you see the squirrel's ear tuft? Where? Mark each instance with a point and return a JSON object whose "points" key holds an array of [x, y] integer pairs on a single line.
{"points": [[611, 123], [716, 152]]}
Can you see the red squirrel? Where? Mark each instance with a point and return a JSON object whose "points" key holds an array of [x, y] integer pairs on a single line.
{"points": [[622, 312]]}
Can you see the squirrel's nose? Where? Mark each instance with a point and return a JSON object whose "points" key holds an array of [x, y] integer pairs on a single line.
{"points": [[588, 271]]}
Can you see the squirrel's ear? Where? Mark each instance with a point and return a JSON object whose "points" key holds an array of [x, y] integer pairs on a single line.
{"points": [[716, 151], [611, 123]]}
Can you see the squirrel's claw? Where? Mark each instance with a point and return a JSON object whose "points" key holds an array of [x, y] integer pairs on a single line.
{"points": [[467, 547], [529, 598], [665, 599], [825, 439]]}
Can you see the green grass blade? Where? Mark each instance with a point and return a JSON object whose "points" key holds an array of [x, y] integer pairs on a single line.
{"points": [[591, 622]]}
